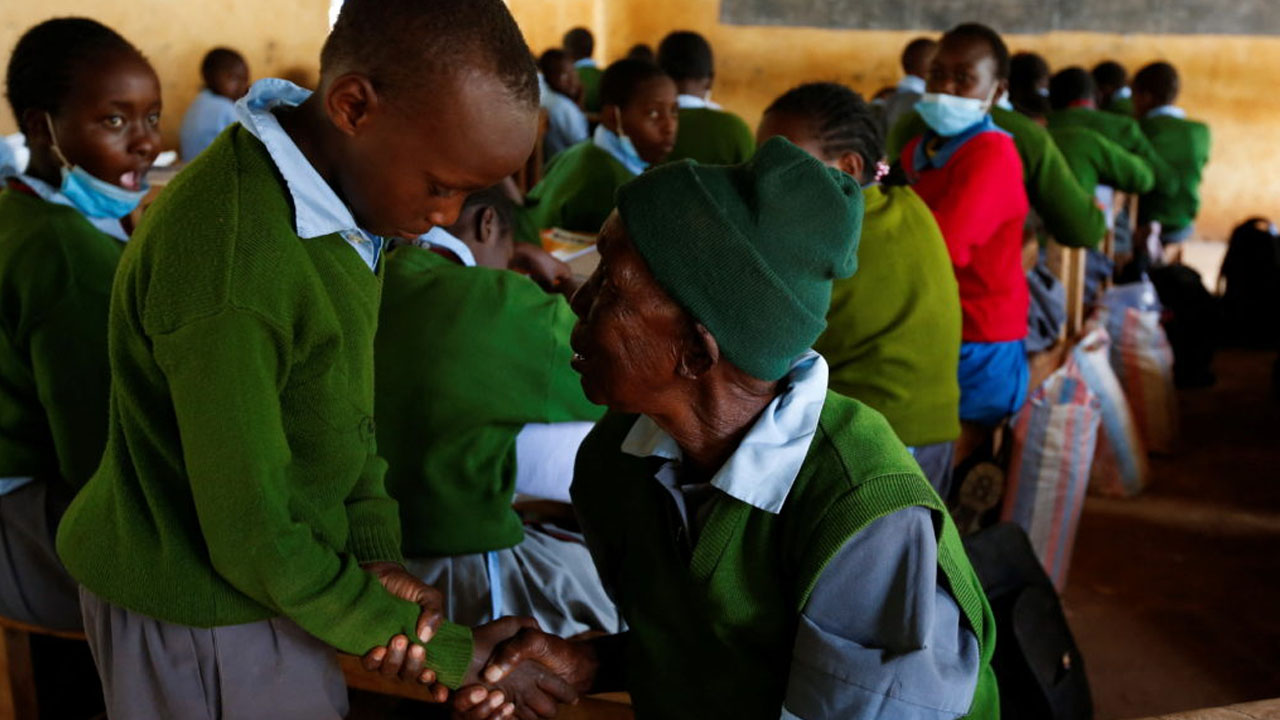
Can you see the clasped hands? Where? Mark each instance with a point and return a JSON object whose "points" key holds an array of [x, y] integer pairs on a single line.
{"points": [[526, 672]]}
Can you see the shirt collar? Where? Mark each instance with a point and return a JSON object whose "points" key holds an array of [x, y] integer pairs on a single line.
{"points": [[51, 194], [765, 465], [1172, 111], [608, 140], [585, 62], [441, 238], [688, 102], [912, 84], [923, 158], [1123, 93], [317, 208]]}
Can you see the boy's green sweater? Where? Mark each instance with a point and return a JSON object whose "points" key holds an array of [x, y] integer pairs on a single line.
{"points": [[1067, 210], [590, 77], [1120, 106], [465, 358], [1121, 130], [713, 137], [712, 634], [240, 480], [1096, 160], [1185, 145], [55, 286], [577, 192], [893, 331]]}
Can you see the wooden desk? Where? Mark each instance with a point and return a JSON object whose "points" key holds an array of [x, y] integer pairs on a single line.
{"points": [[1261, 710]]}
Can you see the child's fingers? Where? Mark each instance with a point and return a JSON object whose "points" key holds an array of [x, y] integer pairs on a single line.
{"points": [[372, 660], [557, 688], [469, 697], [428, 622], [414, 659], [395, 656]]}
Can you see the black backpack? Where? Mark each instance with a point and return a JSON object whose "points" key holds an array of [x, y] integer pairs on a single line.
{"points": [[1251, 271], [1037, 664], [1192, 321]]}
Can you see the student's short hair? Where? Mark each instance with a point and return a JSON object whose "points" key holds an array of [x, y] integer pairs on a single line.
{"points": [[399, 44], [1160, 80], [1110, 74], [621, 79], [642, 51], [47, 57], [843, 121], [978, 31], [219, 60], [495, 197], [579, 43], [1069, 85], [686, 55], [548, 60], [1026, 70], [915, 52]]}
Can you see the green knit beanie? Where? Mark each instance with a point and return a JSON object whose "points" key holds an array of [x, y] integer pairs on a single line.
{"points": [[749, 250]]}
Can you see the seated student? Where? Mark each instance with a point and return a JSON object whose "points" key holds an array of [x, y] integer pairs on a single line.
{"points": [[566, 124], [473, 404], [893, 330], [1028, 82], [642, 51], [226, 80], [916, 57], [579, 45], [1114, 93], [637, 129], [707, 134], [1183, 143], [237, 529], [1068, 212], [968, 173], [772, 545]]}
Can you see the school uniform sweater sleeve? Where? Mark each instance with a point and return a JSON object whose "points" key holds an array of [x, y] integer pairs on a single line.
{"points": [[1122, 169], [374, 516], [225, 372], [881, 637], [977, 204]]}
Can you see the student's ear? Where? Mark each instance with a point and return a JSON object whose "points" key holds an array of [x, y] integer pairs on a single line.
{"points": [[488, 229], [350, 102], [611, 117], [699, 355], [35, 128], [851, 164]]}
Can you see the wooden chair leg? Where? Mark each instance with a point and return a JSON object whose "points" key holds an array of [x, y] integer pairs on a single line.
{"points": [[17, 680]]}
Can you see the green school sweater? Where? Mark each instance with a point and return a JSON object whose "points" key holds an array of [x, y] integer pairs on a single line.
{"points": [[1067, 210], [713, 137], [1095, 159], [893, 331], [1184, 144], [590, 77], [240, 480], [1121, 130], [465, 358], [55, 285], [576, 193], [712, 635], [1120, 106]]}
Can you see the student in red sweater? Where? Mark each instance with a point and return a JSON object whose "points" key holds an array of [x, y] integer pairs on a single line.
{"points": [[967, 171]]}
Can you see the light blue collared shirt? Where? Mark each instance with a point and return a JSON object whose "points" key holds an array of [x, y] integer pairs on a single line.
{"points": [[441, 238], [566, 123], [912, 84], [208, 115], [1172, 111], [693, 102], [584, 62], [317, 208], [607, 140], [880, 637], [49, 193], [1123, 93]]}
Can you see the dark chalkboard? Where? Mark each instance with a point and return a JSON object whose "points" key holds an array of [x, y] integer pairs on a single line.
{"points": [[1232, 17]]}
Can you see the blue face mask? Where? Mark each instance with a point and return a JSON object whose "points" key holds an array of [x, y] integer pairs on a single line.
{"points": [[950, 115], [93, 197]]}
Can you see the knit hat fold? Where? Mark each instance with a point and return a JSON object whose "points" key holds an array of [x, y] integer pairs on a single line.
{"points": [[749, 250]]}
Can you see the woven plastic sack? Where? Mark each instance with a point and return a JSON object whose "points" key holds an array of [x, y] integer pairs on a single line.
{"points": [[1054, 437], [1120, 461], [1143, 361]]}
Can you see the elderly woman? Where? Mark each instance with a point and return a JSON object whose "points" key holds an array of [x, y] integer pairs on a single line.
{"points": [[772, 546]]}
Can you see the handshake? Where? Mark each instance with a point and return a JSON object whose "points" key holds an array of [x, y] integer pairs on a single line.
{"points": [[516, 669]]}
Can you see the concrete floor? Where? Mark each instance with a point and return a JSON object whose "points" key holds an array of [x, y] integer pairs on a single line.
{"points": [[1174, 596]]}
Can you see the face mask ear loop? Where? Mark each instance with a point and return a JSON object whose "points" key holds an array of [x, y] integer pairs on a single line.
{"points": [[991, 98], [57, 151]]}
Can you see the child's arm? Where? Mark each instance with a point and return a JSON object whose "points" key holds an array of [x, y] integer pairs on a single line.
{"points": [[225, 374], [985, 194], [1122, 169], [1166, 178]]}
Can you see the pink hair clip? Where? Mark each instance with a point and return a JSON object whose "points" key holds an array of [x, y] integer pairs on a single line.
{"points": [[882, 169]]}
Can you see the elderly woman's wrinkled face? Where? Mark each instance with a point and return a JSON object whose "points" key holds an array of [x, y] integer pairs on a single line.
{"points": [[630, 333]]}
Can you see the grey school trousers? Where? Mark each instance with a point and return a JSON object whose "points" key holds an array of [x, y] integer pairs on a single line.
{"points": [[34, 587], [935, 460], [154, 670]]}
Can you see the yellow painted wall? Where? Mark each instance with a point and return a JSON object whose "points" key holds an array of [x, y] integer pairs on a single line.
{"points": [[277, 37], [1229, 82]]}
